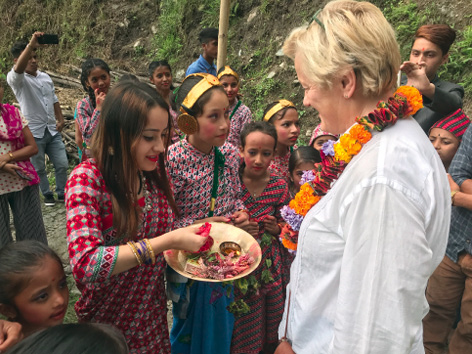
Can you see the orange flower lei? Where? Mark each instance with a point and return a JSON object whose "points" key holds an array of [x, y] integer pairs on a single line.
{"points": [[406, 101]]}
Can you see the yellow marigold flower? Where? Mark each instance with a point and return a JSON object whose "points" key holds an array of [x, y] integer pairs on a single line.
{"points": [[361, 134], [414, 97], [340, 154]]}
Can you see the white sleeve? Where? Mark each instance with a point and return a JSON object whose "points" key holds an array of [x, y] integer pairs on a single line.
{"points": [[384, 271], [15, 80]]}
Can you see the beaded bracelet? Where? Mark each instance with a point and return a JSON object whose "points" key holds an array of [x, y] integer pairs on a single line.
{"points": [[132, 245]]}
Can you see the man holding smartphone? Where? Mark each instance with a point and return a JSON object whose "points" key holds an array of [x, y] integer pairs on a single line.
{"points": [[34, 91]]}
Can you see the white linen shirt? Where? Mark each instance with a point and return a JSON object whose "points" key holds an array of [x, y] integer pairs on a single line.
{"points": [[367, 249], [36, 97]]}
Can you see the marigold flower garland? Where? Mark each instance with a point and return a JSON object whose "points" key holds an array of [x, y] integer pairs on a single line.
{"points": [[335, 156]]}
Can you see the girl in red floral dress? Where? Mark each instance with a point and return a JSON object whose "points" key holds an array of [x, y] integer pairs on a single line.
{"points": [[264, 194], [119, 213], [284, 116]]}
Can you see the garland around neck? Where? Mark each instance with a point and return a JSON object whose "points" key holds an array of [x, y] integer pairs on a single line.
{"points": [[335, 156]]}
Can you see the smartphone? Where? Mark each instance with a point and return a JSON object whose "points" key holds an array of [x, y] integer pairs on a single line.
{"points": [[48, 39], [22, 174]]}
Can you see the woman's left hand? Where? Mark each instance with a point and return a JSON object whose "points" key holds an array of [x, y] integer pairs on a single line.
{"points": [[453, 185], [4, 158]]}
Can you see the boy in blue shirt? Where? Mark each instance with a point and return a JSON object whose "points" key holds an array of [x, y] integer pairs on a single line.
{"points": [[205, 63]]}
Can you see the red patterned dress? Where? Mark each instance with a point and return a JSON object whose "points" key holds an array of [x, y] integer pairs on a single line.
{"points": [[134, 301], [279, 164], [239, 119], [260, 325]]}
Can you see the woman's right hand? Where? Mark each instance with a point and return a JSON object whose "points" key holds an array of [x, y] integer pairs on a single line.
{"points": [[99, 98], [187, 239], [9, 168]]}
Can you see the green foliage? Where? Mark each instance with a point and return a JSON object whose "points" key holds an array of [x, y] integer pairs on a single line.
{"points": [[459, 67], [405, 17], [168, 38], [238, 308]]}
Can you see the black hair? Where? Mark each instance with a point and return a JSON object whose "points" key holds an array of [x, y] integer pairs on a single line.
{"points": [[187, 85], [129, 77], [282, 112], [74, 338], [18, 48], [301, 155], [16, 261], [87, 67], [258, 126], [208, 34], [157, 63]]}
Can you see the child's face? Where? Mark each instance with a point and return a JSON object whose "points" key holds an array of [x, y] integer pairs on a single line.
{"points": [[162, 79], [153, 139], [231, 86], [297, 173], [257, 153], [43, 303], [319, 141], [445, 143], [288, 128], [213, 123], [99, 79]]}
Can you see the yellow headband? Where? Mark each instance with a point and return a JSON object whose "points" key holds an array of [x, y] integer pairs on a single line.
{"points": [[228, 71], [281, 104], [198, 90]]}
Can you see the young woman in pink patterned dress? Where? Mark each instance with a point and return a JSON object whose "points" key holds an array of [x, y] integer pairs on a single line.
{"points": [[284, 116], [264, 194], [119, 211], [239, 113]]}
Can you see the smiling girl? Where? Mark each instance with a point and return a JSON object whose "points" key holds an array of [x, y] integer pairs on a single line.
{"points": [[284, 116], [33, 286], [240, 114], [204, 175], [95, 79], [119, 211]]}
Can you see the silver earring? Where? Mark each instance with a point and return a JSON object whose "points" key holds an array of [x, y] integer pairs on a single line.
{"points": [[346, 97]]}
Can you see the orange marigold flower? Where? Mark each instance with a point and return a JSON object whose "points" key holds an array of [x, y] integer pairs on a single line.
{"points": [[413, 96], [360, 133], [304, 200], [289, 244]]}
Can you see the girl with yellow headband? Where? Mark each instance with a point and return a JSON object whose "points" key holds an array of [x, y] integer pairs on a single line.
{"points": [[240, 114], [204, 174], [284, 116]]}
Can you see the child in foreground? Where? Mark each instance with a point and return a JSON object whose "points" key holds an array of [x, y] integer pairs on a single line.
{"points": [[204, 174], [283, 116], [264, 194], [33, 286], [119, 212], [240, 114]]}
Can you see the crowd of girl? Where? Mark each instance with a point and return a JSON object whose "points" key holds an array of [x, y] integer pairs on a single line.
{"points": [[155, 162]]}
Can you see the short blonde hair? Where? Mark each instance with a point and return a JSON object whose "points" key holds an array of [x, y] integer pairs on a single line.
{"points": [[347, 34]]}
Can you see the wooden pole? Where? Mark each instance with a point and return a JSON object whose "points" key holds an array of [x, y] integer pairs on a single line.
{"points": [[223, 34]]}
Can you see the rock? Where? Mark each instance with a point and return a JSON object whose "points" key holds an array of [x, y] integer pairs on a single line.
{"points": [[180, 74], [271, 75], [280, 53], [137, 43], [282, 65], [153, 29], [252, 15]]}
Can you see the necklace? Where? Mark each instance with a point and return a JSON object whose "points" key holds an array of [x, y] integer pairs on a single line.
{"points": [[147, 194], [335, 156]]}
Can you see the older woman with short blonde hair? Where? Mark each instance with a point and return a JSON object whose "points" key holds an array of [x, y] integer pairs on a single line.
{"points": [[370, 224]]}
